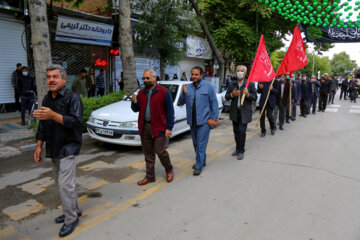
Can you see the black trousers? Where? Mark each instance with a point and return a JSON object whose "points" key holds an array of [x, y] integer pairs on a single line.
{"points": [[322, 101], [282, 113], [26, 104], [239, 133], [91, 92], [100, 92], [270, 116], [17, 102], [303, 106], [332, 96], [343, 92]]}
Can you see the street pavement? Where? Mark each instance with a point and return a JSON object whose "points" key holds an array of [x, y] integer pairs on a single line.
{"points": [[302, 183]]}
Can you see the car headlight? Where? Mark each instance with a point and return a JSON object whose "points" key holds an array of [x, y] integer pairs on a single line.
{"points": [[91, 119], [128, 125]]}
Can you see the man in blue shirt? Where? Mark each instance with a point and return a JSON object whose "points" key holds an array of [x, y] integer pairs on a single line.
{"points": [[201, 106]]}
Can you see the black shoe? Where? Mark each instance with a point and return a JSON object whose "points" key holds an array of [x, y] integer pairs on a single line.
{"points": [[67, 229], [240, 156], [193, 166], [281, 128], [61, 219], [235, 153], [323, 110], [304, 116], [23, 123], [288, 121], [313, 112], [197, 172], [263, 134], [273, 132], [293, 119], [319, 110]]}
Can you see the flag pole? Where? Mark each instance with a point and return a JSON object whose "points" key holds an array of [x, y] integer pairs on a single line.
{"points": [[266, 101], [290, 96], [243, 98]]}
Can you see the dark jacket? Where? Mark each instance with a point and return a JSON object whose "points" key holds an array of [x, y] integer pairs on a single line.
{"points": [[161, 110], [325, 87], [89, 83], [334, 84], [25, 86], [264, 92], [285, 98], [296, 94], [15, 78], [62, 140], [309, 89], [344, 85], [246, 109]]}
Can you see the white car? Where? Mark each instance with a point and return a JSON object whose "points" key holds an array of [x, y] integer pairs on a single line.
{"points": [[118, 124]]}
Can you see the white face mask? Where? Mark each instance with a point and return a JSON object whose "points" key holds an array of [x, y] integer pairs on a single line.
{"points": [[25, 73], [240, 75]]}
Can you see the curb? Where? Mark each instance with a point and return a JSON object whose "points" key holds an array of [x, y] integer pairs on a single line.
{"points": [[6, 141]]}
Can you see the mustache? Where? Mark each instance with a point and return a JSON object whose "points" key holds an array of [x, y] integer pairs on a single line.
{"points": [[52, 83]]}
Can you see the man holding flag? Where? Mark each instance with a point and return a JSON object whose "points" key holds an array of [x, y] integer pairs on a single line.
{"points": [[240, 115]]}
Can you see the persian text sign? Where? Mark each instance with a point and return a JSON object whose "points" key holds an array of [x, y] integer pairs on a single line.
{"points": [[332, 35], [198, 48], [82, 31]]}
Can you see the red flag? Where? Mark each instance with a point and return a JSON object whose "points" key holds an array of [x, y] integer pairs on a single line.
{"points": [[262, 70], [295, 58]]}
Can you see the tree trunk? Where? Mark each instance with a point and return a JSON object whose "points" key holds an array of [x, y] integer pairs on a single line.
{"points": [[162, 68], [126, 46], [40, 44], [211, 41]]}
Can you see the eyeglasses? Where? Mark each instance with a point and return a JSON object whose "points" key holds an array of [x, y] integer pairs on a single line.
{"points": [[146, 78]]}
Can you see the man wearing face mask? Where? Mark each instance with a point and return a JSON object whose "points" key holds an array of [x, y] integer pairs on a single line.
{"points": [[324, 92], [312, 94], [202, 112], [296, 96], [15, 76], [282, 101], [240, 115], [303, 97], [156, 121], [26, 88]]}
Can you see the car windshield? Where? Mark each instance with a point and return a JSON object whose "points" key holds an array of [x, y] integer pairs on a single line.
{"points": [[172, 88]]}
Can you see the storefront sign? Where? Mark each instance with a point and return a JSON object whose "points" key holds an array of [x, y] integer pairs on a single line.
{"points": [[82, 31], [198, 48]]}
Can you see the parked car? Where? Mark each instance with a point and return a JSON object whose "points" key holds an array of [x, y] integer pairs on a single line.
{"points": [[118, 124], [227, 104]]}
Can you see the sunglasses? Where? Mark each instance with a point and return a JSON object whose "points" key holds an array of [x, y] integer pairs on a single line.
{"points": [[146, 78]]}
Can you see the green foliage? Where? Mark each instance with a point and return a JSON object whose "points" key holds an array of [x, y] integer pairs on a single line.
{"points": [[237, 25], [341, 63], [92, 104], [276, 59], [162, 25], [322, 64], [322, 47]]}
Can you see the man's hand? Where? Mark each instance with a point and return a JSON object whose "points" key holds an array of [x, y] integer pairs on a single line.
{"points": [[292, 100], [184, 88], [37, 155], [235, 93], [328, 94], [261, 86], [246, 92], [168, 133], [271, 87], [44, 114], [299, 99], [133, 98]]}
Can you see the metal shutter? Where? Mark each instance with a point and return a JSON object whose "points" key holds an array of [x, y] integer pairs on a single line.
{"points": [[11, 53]]}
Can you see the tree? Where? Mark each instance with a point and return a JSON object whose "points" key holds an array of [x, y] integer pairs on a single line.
{"points": [[276, 58], [40, 44], [161, 29], [341, 63], [126, 46], [322, 64], [210, 39]]}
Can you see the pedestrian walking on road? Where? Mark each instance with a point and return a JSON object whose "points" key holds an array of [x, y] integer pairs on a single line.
{"points": [[324, 92], [90, 83], [79, 84], [100, 83], [183, 77], [344, 88], [303, 97], [60, 127], [354, 91], [240, 115], [26, 89], [263, 89], [202, 112], [334, 84], [282, 101], [295, 97], [312, 94], [15, 76], [156, 121]]}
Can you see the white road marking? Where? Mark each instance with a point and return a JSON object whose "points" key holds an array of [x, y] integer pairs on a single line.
{"points": [[334, 106], [334, 110], [354, 111], [353, 106]]}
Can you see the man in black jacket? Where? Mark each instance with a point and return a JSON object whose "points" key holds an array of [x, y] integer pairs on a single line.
{"points": [[15, 76], [324, 92], [240, 115], [282, 100], [344, 88], [60, 127], [26, 89]]}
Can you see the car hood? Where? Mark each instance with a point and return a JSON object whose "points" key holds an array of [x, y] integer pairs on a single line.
{"points": [[118, 112]]}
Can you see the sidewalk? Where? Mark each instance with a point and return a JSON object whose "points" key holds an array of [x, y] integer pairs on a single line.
{"points": [[14, 138]]}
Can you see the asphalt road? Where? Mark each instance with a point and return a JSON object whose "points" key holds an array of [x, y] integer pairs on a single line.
{"points": [[302, 183]]}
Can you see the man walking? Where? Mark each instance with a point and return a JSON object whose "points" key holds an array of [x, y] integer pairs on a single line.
{"points": [[60, 127], [15, 76], [202, 113], [282, 101], [156, 121], [26, 89], [263, 89], [100, 83], [296, 96], [344, 88], [79, 84], [312, 94], [333, 85], [240, 115], [90, 83], [303, 96], [324, 92]]}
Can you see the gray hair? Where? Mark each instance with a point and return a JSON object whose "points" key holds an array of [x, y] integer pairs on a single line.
{"points": [[151, 71], [242, 66], [57, 67]]}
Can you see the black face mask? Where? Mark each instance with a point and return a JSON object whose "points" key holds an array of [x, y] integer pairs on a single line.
{"points": [[148, 85], [197, 81]]}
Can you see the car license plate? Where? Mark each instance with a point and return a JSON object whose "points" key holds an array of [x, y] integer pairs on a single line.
{"points": [[104, 131]]}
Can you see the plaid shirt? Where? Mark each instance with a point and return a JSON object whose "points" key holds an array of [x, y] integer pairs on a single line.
{"points": [[100, 81]]}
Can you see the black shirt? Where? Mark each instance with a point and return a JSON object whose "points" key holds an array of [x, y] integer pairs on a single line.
{"points": [[25, 85], [62, 140]]}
